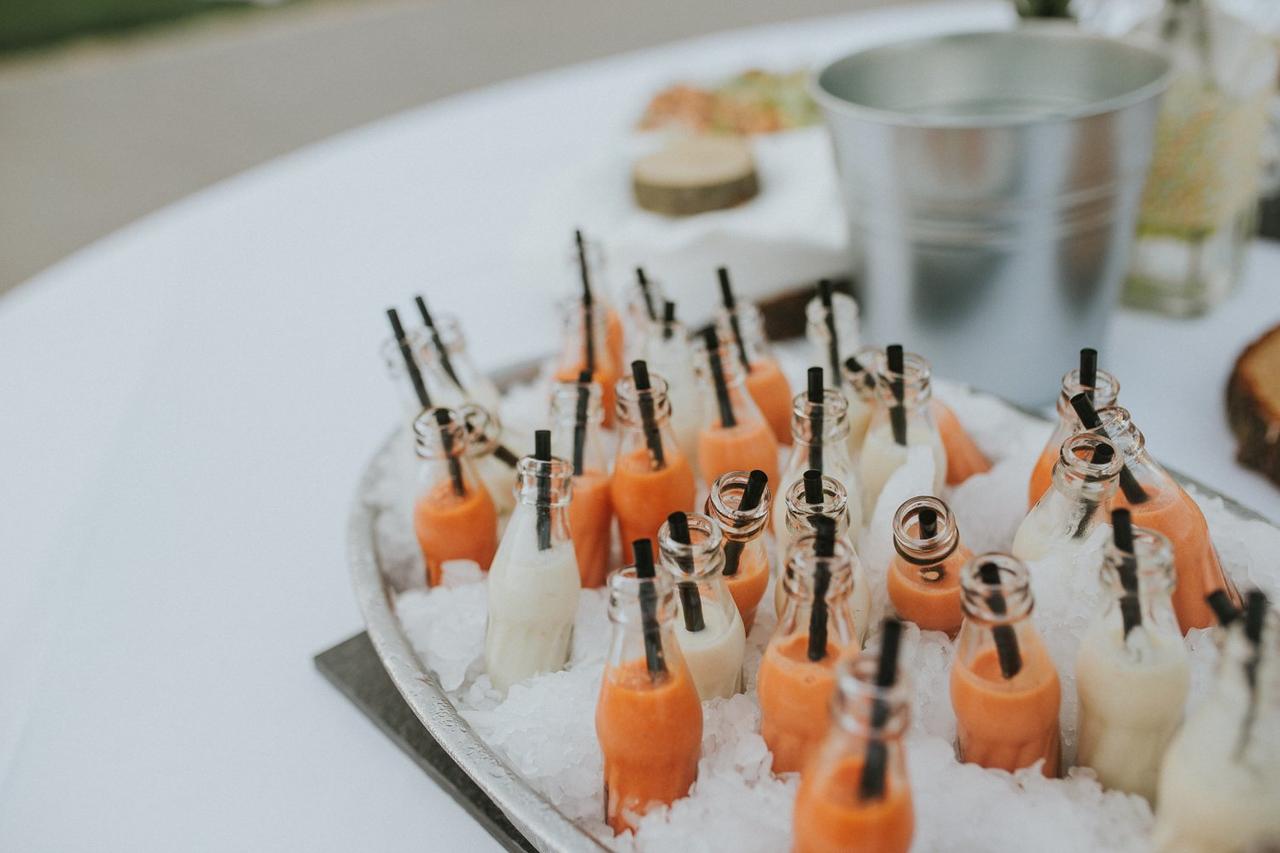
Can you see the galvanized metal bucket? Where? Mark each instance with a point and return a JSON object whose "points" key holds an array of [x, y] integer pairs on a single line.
{"points": [[991, 182]]}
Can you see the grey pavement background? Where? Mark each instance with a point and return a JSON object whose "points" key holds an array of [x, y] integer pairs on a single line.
{"points": [[98, 132]]}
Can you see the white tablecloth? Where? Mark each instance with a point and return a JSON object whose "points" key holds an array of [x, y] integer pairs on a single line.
{"points": [[185, 408]]}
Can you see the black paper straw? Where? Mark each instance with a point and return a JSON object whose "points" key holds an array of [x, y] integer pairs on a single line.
{"points": [[1255, 614], [816, 400], [410, 365], [647, 292], [655, 660], [690, 598], [875, 769], [833, 340], [1005, 637], [588, 305], [441, 350], [855, 366], [1133, 491], [751, 495], [1130, 606], [648, 420], [542, 453], [824, 548], [444, 417], [731, 308], [580, 422], [668, 319], [812, 487], [928, 521], [712, 341], [1089, 371], [897, 411], [1222, 607]]}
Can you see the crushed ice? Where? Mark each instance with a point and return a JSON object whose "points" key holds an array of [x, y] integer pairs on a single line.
{"points": [[545, 727]]}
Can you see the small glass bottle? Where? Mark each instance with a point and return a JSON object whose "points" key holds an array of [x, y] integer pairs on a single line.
{"points": [[648, 716], [1158, 502], [642, 302], [709, 629], [743, 327], [651, 476], [579, 437], [855, 794], [859, 371], [746, 559], [1064, 519], [495, 464], [1004, 687], [831, 327], [453, 515], [820, 441], [1132, 675], [797, 673], [1220, 777], [924, 573], [534, 582], [1105, 390], [450, 375], [734, 434], [902, 418], [580, 349], [669, 354]]}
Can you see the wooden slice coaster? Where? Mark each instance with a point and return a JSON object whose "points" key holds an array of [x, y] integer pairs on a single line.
{"points": [[696, 175]]}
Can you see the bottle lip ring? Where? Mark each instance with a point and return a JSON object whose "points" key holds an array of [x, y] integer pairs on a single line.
{"points": [[1014, 587], [1081, 464], [801, 555], [1106, 389], [856, 692], [835, 498], [745, 523], [428, 430], [704, 552], [918, 550], [916, 370], [415, 337], [834, 406]]}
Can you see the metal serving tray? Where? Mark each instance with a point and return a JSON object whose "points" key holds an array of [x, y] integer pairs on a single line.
{"points": [[535, 818]]}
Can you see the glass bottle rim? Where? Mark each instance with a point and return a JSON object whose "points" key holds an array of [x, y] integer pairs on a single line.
{"points": [[439, 433], [624, 595], [916, 548], [723, 505], [704, 553], [1106, 388], [1014, 588], [835, 499], [800, 561], [1076, 457]]}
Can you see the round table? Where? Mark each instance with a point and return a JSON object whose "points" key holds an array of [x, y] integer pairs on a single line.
{"points": [[187, 405]]}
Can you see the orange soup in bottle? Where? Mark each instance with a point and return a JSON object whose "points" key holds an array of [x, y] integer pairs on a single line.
{"points": [[739, 505], [651, 477], [854, 794], [648, 717], [1101, 387], [743, 326], [576, 412], [453, 516], [797, 673], [734, 435], [1156, 501], [1004, 688], [924, 574]]}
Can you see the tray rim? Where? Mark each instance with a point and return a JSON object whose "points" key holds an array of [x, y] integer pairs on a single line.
{"points": [[545, 826]]}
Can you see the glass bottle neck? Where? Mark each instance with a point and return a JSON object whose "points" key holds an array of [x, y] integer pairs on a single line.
{"points": [[1087, 469], [911, 388], [834, 504], [827, 420], [925, 531], [821, 321], [482, 429], [749, 323], [723, 505], [440, 434], [800, 588], [996, 597], [634, 405], [864, 708], [584, 336], [701, 559], [1104, 392], [546, 484]]}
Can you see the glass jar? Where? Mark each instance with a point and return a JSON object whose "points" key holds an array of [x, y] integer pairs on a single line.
{"points": [[924, 572], [1200, 200]]}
